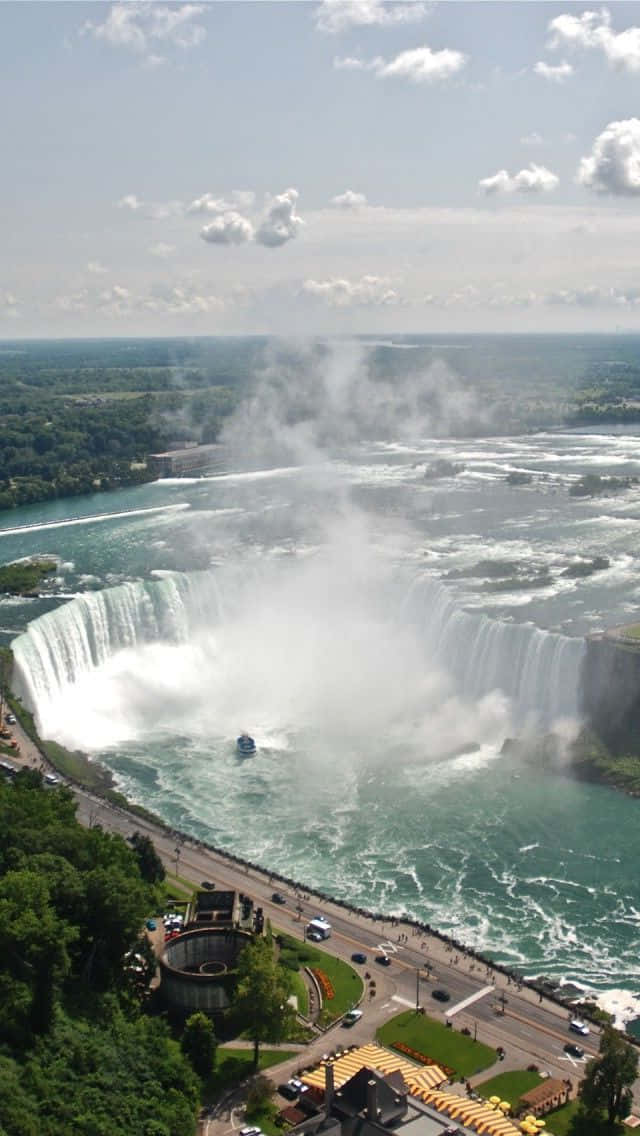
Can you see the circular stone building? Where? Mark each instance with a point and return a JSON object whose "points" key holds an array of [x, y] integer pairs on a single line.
{"points": [[198, 969]]}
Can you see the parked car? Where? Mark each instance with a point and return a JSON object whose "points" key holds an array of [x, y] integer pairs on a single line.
{"points": [[576, 1025], [574, 1050], [293, 1089], [358, 956], [11, 719], [383, 960], [250, 1130], [352, 1017], [207, 885], [441, 995], [287, 1091], [278, 897]]}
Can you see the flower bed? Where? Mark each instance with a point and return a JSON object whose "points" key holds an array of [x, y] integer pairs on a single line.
{"points": [[421, 1058], [325, 983]]}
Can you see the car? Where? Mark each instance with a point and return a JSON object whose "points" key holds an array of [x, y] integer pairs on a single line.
{"points": [[358, 956], [251, 1130], [11, 719], [441, 995], [574, 1050], [150, 924], [207, 885], [287, 1091], [383, 960], [576, 1025], [278, 897], [51, 780], [352, 1017], [293, 1089]]}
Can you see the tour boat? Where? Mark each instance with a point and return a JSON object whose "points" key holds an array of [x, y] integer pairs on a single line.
{"points": [[245, 745]]}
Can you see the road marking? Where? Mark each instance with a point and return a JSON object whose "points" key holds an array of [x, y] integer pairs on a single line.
{"points": [[402, 1001], [388, 948], [470, 1000]]}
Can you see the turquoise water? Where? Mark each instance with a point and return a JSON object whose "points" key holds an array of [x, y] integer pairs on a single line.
{"points": [[306, 634]]}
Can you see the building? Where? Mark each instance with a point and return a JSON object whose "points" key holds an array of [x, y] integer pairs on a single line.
{"points": [[198, 966], [546, 1096], [186, 459]]}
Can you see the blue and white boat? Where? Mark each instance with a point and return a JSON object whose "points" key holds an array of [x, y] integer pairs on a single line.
{"points": [[245, 745]]}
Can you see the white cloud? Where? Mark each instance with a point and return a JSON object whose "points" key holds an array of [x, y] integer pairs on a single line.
{"points": [[129, 201], [137, 26], [116, 300], [349, 200], [152, 211], [593, 30], [350, 63], [281, 223], [9, 306], [96, 268], [228, 229], [417, 65], [535, 179], [161, 250], [180, 299], [72, 302], [614, 163], [554, 73], [369, 291], [239, 199], [338, 15], [532, 139], [595, 297]]}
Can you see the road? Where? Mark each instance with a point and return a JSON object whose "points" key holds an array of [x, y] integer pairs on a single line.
{"points": [[498, 1011]]}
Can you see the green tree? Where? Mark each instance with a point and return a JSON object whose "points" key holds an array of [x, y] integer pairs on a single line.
{"points": [[150, 864], [261, 1092], [198, 1044], [608, 1078], [261, 996]]}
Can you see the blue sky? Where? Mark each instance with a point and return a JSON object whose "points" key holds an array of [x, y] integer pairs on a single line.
{"points": [[338, 166]]}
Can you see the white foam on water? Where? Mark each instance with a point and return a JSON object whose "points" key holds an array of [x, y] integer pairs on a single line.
{"points": [[97, 518]]}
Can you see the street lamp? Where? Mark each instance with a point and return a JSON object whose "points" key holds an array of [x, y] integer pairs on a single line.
{"points": [[177, 852]]}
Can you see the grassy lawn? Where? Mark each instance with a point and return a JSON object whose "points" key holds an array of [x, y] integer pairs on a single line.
{"points": [[347, 985], [559, 1123], [233, 1065], [299, 988], [509, 1086], [433, 1039]]}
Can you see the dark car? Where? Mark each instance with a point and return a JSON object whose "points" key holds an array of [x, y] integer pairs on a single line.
{"points": [[207, 885], [288, 1091], [278, 897], [383, 960], [358, 957], [574, 1050], [441, 995]]}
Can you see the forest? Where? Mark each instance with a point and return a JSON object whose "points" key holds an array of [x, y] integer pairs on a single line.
{"points": [[82, 416], [78, 1051]]}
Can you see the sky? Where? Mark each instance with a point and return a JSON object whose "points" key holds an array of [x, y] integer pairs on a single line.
{"points": [[339, 166]]}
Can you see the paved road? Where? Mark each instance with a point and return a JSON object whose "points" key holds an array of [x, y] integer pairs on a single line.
{"points": [[495, 1009]]}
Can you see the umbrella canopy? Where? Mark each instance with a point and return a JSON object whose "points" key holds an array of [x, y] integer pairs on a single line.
{"points": [[540, 1123], [505, 1106], [494, 1100]]}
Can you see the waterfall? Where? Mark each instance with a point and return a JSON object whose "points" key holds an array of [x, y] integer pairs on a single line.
{"points": [[82, 635], [538, 670]]}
